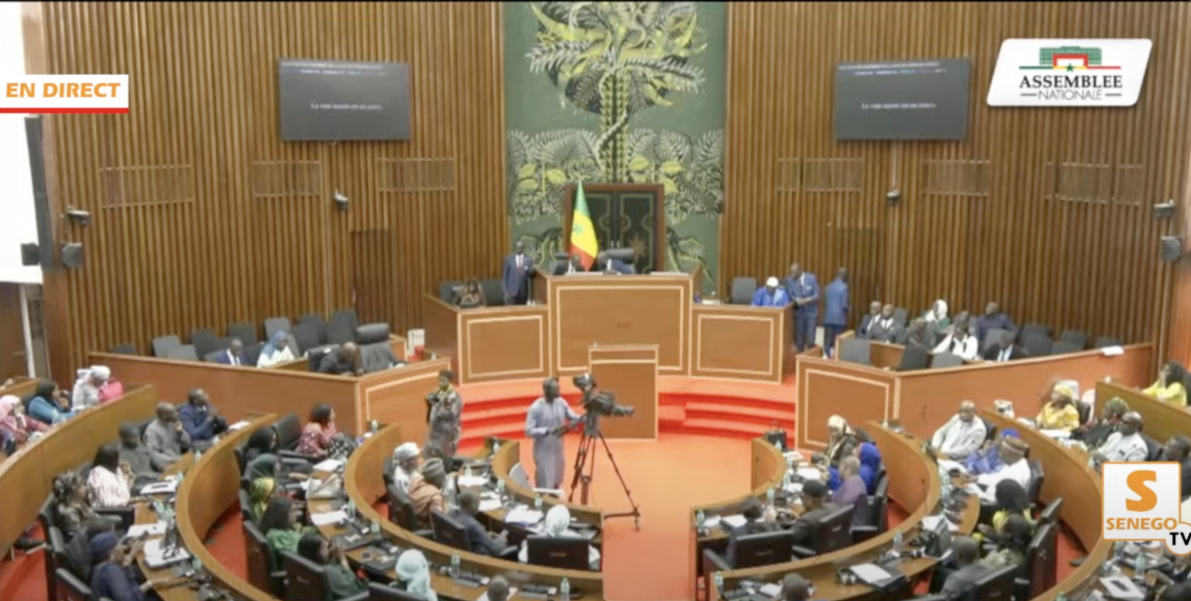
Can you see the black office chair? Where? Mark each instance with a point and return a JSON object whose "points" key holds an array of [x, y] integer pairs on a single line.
{"points": [[245, 503], [448, 532], [855, 350], [1036, 343], [70, 588], [247, 332], [752, 550], [1079, 338], [996, 586], [289, 433], [341, 328], [163, 344], [307, 581], [205, 341], [1153, 449], [494, 292], [401, 512], [834, 533], [261, 571], [307, 336], [122, 349], [901, 316], [941, 360], [1033, 328], [274, 325], [990, 430], [185, 352], [1037, 477], [54, 559], [1032, 579], [1050, 514], [317, 322], [913, 358], [1064, 347], [742, 291], [380, 592]]}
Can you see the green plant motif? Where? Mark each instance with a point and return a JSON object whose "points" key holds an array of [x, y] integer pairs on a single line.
{"points": [[541, 165], [616, 59], [692, 172]]}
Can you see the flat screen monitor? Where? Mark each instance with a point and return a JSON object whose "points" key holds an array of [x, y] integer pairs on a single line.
{"points": [[564, 552], [764, 549], [905, 100], [333, 101]]}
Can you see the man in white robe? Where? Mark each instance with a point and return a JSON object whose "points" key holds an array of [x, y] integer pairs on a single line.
{"points": [[548, 420], [961, 436], [1126, 444], [1016, 468]]}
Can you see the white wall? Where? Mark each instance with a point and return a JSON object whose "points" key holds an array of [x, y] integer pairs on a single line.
{"points": [[18, 221]]}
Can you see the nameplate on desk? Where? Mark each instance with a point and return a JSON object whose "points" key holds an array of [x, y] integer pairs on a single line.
{"points": [[167, 487]]}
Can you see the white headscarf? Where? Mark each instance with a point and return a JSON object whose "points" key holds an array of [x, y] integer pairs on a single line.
{"points": [[405, 451], [938, 312], [558, 519], [413, 569], [101, 372]]}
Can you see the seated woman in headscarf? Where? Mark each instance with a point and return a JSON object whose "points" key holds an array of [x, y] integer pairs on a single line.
{"points": [[47, 404], [405, 465], [258, 498], [14, 421], [276, 351], [280, 525], [115, 575], [72, 509], [870, 466], [1169, 386], [1094, 434], [987, 460], [413, 575], [841, 440], [1059, 413], [341, 580], [936, 317], [470, 296], [556, 525]]}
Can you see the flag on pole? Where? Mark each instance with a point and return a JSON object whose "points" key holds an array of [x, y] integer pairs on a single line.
{"points": [[583, 237]]}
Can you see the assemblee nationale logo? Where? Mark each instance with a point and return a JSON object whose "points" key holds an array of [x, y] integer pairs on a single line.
{"points": [[1087, 73], [1143, 502]]}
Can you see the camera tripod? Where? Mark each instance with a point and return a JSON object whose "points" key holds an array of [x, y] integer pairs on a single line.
{"points": [[585, 473]]}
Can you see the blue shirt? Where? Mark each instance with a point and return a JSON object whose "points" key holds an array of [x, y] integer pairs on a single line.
{"points": [[993, 322], [115, 582], [763, 298]]}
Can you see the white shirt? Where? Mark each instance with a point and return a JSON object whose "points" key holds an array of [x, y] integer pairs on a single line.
{"points": [[1019, 472], [108, 489], [957, 439], [520, 260], [401, 479], [270, 360], [1119, 447], [966, 349]]}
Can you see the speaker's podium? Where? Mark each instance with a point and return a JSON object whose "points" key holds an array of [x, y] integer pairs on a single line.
{"points": [[630, 371]]}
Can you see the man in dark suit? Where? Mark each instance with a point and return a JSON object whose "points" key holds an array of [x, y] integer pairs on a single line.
{"points": [[969, 568], [607, 265], [884, 328], [835, 319], [993, 319], [815, 500], [515, 276], [1178, 449], [754, 523], [234, 355], [575, 265], [343, 361], [478, 538], [803, 289], [1004, 350], [874, 312]]}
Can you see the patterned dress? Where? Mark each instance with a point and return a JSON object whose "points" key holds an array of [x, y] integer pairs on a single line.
{"points": [[445, 427]]}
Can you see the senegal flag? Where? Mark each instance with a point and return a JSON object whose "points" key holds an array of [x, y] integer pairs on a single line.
{"points": [[583, 237]]}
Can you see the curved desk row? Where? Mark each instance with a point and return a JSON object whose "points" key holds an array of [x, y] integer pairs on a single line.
{"points": [[1068, 476], [914, 484], [1161, 420], [32, 469], [508, 455], [922, 400]]}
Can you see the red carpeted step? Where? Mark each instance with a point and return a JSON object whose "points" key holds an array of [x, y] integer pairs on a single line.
{"points": [[748, 413], [482, 414], [718, 427], [671, 415]]}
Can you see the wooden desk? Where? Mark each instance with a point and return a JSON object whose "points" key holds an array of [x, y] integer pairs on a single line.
{"points": [[632, 371], [65, 447], [146, 515], [211, 486], [922, 400], [20, 387], [768, 466], [1160, 419], [740, 342], [1067, 476], [489, 343], [364, 484], [385, 396], [913, 484], [508, 455]]}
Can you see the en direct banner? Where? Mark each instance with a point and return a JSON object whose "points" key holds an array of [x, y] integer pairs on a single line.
{"points": [[58, 94], [1069, 72]]}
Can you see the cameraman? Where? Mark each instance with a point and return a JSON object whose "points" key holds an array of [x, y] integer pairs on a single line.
{"points": [[549, 418]]}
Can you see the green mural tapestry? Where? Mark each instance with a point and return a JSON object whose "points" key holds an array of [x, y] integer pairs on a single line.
{"points": [[617, 92]]}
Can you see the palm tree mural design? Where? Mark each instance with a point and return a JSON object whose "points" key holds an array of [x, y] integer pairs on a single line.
{"points": [[616, 59]]}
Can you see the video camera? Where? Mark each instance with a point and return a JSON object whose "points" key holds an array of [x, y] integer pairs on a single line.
{"points": [[598, 403]]}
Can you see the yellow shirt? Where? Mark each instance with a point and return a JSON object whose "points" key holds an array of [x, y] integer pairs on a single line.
{"points": [[1174, 394], [1066, 418]]}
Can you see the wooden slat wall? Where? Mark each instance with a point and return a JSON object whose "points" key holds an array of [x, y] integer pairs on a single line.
{"points": [[203, 217], [1045, 210], [12, 333]]}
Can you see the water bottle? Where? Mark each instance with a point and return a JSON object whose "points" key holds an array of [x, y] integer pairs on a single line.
{"points": [[374, 426], [1139, 565], [564, 590], [455, 565], [495, 447], [214, 440], [500, 488], [537, 503], [467, 472], [719, 582], [350, 509], [1061, 597], [700, 519], [1118, 548], [197, 564], [897, 540], [769, 495], [197, 455], [375, 529]]}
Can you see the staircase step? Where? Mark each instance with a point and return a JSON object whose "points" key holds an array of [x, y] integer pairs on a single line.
{"points": [[722, 427], [501, 413], [671, 414], [732, 410]]}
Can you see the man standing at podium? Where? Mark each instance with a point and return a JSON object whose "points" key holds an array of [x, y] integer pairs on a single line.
{"points": [[548, 420], [803, 289], [515, 276]]}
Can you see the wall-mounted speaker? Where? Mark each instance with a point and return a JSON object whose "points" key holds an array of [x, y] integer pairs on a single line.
{"points": [[30, 254], [1170, 248], [72, 255]]}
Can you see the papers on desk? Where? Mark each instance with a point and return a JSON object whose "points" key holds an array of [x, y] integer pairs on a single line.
{"points": [[240, 425], [973, 488], [1120, 587], [870, 574], [809, 473], [1113, 351], [522, 515], [711, 522], [328, 518], [165, 487], [1056, 434], [512, 593], [734, 521], [158, 556], [771, 590], [328, 465], [489, 504], [947, 465], [471, 481], [931, 522], [149, 529]]}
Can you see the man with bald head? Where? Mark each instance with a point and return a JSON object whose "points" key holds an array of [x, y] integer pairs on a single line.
{"points": [[498, 589], [866, 322], [1126, 444], [961, 436], [884, 328], [343, 361], [165, 438], [969, 568], [795, 588]]}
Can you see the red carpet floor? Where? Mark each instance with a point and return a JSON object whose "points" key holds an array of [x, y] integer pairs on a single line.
{"points": [[666, 478]]}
